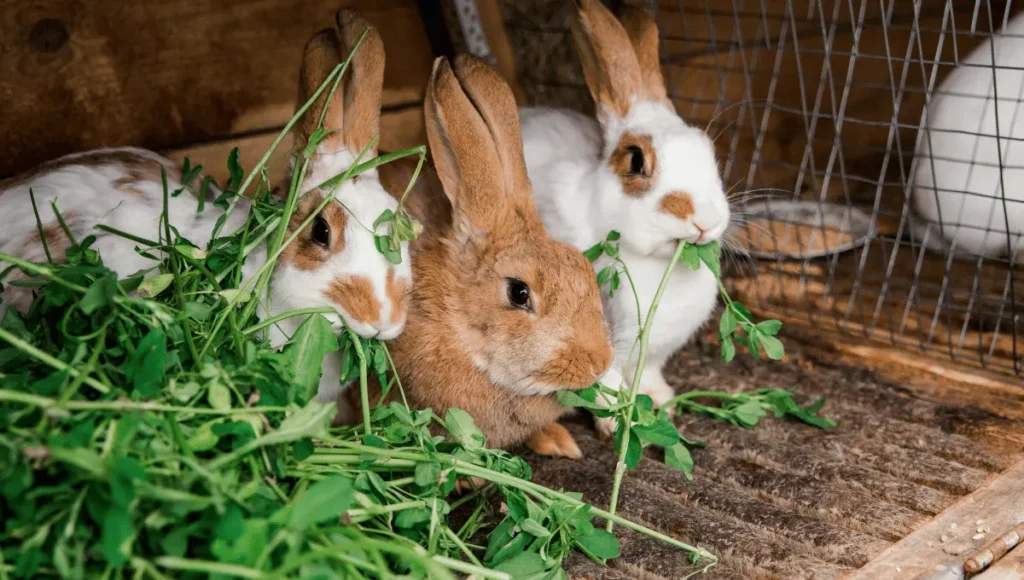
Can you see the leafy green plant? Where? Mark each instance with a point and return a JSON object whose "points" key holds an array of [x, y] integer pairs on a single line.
{"points": [[638, 424], [148, 429]]}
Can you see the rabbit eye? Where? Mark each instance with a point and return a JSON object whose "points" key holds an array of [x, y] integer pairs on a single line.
{"points": [[518, 294], [636, 160], [321, 231]]}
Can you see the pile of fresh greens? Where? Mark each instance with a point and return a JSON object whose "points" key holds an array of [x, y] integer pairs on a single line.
{"points": [[147, 429]]}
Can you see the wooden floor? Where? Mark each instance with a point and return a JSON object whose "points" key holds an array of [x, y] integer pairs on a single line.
{"points": [[876, 498]]}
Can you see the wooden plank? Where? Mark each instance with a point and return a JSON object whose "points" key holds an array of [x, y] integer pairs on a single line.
{"points": [[75, 76], [501, 48], [930, 377], [949, 538], [399, 130]]}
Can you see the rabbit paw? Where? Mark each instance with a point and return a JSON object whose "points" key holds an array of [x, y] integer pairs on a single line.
{"points": [[553, 439], [605, 426], [653, 384]]}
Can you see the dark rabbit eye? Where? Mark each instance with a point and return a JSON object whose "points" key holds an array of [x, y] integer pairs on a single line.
{"points": [[518, 294], [321, 231], [636, 160]]}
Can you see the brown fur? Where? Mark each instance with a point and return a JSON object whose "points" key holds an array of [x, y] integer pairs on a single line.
{"points": [[620, 58], [643, 34], [398, 293], [304, 253], [355, 294], [634, 185], [677, 203], [553, 439], [426, 201], [610, 65], [353, 114], [460, 329]]}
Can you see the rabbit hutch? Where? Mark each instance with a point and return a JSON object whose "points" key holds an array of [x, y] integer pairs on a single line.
{"points": [[853, 224]]}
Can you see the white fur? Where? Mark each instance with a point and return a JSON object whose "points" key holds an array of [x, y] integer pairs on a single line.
{"points": [[957, 152], [87, 193], [580, 200]]}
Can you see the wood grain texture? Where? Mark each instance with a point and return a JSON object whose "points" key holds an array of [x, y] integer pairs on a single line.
{"points": [[75, 75], [952, 535]]}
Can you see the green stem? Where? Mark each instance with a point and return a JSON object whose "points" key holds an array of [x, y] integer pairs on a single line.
{"points": [[645, 335], [122, 406], [50, 362], [364, 393], [39, 226], [409, 459], [477, 571], [187, 565], [126, 235], [291, 313], [455, 539], [678, 399]]}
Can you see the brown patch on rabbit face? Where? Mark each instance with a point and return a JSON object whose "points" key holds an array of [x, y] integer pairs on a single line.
{"points": [[398, 291], [355, 294], [678, 204], [635, 162], [304, 252]]}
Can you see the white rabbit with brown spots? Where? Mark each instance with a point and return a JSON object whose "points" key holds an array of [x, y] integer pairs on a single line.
{"points": [[332, 263], [638, 169]]}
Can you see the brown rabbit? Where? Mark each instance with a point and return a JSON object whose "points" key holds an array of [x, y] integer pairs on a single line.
{"points": [[501, 315]]}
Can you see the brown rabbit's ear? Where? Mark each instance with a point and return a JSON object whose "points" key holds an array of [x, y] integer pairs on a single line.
{"points": [[493, 99], [464, 148], [643, 34], [364, 81], [610, 65], [353, 113]]}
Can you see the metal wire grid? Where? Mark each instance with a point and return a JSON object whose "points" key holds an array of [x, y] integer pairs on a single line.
{"points": [[822, 101]]}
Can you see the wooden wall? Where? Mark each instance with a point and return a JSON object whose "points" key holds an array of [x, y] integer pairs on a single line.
{"points": [[193, 77]]}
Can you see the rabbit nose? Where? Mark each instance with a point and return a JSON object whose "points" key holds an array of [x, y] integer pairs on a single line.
{"points": [[387, 330]]}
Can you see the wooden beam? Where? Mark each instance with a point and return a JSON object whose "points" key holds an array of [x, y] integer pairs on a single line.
{"points": [[942, 545], [497, 38], [161, 75]]}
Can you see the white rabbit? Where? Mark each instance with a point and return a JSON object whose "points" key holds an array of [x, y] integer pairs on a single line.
{"points": [[639, 169], [957, 188], [332, 263]]}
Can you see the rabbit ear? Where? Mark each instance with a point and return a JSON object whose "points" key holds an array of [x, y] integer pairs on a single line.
{"points": [[643, 34], [474, 139], [364, 81], [493, 99], [610, 64], [321, 55], [353, 114]]}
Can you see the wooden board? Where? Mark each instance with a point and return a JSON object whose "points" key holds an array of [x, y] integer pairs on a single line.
{"points": [[949, 538], [78, 74]]}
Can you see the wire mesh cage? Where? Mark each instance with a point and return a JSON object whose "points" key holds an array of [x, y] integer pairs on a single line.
{"points": [[872, 147]]}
